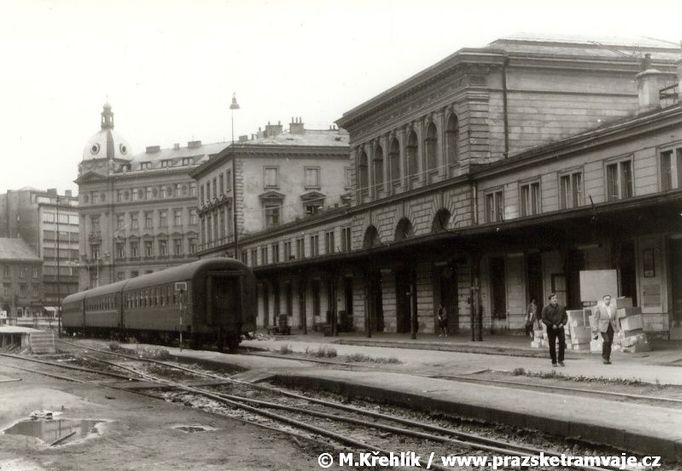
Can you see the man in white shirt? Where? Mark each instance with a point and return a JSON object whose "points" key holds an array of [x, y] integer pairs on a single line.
{"points": [[606, 323]]}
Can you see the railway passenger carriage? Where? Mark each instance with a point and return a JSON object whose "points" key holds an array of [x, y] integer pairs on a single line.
{"points": [[210, 300]]}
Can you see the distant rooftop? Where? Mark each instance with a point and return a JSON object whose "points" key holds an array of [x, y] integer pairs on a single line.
{"points": [[310, 137], [16, 250], [600, 46]]}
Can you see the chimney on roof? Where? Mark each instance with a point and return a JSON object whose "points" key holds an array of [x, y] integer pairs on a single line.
{"points": [[243, 138], [176, 146], [296, 126], [650, 81], [152, 149], [52, 191], [68, 193], [193, 144], [272, 130]]}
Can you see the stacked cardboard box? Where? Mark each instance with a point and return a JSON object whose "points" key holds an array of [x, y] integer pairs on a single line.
{"points": [[540, 337], [577, 331], [632, 337]]}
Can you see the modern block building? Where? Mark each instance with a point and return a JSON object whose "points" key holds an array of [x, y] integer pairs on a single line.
{"points": [[138, 212], [495, 176], [21, 273], [49, 224]]}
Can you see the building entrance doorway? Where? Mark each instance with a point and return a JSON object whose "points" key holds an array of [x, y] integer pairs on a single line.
{"points": [[676, 278], [627, 271], [375, 304]]}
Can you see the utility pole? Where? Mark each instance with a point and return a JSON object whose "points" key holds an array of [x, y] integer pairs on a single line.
{"points": [[234, 106], [59, 292]]}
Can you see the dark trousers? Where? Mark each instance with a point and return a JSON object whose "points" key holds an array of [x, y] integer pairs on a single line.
{"points": [[553, 336], [606, 344]]}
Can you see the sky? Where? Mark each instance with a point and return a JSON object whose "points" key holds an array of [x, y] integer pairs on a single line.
{"points": [[169, 68]]}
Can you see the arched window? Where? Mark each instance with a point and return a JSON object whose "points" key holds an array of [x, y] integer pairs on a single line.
{"points": [[394, 161], [404, 229], [412, 145], [430, 146], [363, 171], [371, 238], [441, 220], [378, 168], [452, 140]]}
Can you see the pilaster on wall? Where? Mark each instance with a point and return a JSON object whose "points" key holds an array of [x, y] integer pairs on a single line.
{"points": [[425, 305], [359, 303], [239, 192], [388, 299]]}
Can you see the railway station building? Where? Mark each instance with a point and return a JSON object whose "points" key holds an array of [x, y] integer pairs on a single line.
{"points": [[138, 211], [490, 178]]}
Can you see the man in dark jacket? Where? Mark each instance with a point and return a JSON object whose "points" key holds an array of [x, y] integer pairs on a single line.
{"points": [[555, 318]]}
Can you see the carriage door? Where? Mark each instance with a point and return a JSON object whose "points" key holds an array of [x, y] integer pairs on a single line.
{"points": [[224, 300]]}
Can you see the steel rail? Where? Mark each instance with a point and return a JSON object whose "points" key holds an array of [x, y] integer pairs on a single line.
{"points": [[488, 443]]}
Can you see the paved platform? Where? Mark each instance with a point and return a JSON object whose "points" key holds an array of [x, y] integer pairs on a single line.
{"points": [[636, 427]]}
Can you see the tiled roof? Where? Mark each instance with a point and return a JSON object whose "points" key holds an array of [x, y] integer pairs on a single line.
{"points": [[16, 250], [197, 152]]}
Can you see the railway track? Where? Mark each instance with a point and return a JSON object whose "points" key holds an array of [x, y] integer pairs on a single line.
{"points": [[602, 394], [301, 416]]}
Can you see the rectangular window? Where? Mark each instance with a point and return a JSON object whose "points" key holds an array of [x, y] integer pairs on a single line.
{"points": [[94, 224], [287, 251], [270, 177], [162, 192], [347, 177], [163, 218], [120, 250], [177, 246], [619, 180], [571, 190], [228, 180], [192, 246], [215, 188], [275, 253], [264, 255], [35, 273], [530, 199], [149, 193], [192, 189], [245, 257], [329, 245], [312, 177], [193, 217], [345, 239], [163, 248], [254, 257], [134, 221], [220, 180], [312, 208], [94, 252], [177, 217], [314, 245], [202, 194], [120, 221], [300, 248], [136, 194], [149, 248], [494, 206], [148, 220], [272, 212], [671, 169], [134, 249]]}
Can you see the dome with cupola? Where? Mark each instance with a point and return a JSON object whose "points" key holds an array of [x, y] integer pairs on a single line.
{"points": [[107, 143]]}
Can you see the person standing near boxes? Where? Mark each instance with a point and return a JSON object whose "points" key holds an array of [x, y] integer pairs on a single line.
{"points": [[555, 318], [605, 320]]}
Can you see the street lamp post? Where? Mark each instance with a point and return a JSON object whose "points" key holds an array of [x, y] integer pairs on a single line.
{"points": [[59, 293], [234, 106]]}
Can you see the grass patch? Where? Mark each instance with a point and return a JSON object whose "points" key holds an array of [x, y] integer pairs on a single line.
{"points": [[326, 352], [519, 372], [554, 374], [360, 357]]}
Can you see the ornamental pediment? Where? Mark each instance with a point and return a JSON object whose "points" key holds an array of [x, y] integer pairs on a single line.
{"points": [[90, 177], [313, 196], [272, 196]]}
